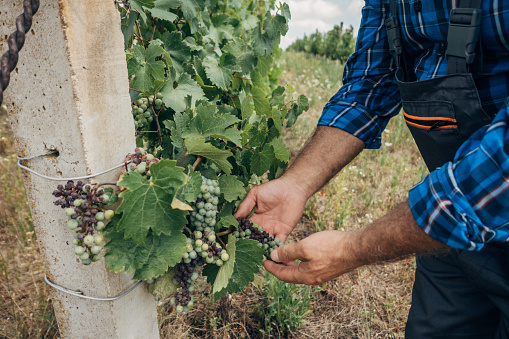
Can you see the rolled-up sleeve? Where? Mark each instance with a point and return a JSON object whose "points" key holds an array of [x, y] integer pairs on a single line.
{"points": [[369, 96], [465, 203]]}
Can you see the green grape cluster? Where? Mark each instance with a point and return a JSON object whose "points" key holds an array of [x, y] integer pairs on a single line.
{"points": [[142, 109], [140, 162], [248, 230], [84, 206], [205, 209]]}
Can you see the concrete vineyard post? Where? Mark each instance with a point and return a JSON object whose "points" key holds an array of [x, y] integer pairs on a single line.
{"points": [[69, 93]]}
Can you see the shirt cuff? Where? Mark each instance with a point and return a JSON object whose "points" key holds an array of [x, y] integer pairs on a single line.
{"points": [[354, 119]]}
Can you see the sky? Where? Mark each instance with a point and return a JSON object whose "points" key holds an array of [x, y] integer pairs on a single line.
{"points": [[310, 15]]}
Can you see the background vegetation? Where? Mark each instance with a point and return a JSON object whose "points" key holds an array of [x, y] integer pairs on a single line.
{"points": [[371, 302], [336, 44]]}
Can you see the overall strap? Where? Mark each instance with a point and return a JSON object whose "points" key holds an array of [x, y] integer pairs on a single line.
{"points": [[394, 33], [464, 53]]}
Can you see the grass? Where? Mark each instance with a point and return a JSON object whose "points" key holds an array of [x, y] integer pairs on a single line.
{"points": [[371, 302]]}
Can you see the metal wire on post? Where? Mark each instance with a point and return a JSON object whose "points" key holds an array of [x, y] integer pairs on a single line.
{"points": [[16, 41]]}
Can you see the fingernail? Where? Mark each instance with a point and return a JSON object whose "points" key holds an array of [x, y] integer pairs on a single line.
{"points": [[274, 256]]}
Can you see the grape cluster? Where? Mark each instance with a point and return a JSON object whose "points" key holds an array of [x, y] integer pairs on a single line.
{"points": [[84, 207], [140, 162], [248, 230], [201, 249], [142, 109], [205, 209]]}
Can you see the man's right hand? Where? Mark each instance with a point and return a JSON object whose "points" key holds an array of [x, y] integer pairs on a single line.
{"points": [[279, 206]]}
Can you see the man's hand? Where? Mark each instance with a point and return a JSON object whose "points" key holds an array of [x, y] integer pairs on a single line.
{"points": [[323, 256], [279, 206], [329, 254]]}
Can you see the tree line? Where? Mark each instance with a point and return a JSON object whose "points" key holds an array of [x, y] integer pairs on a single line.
{"points": [[336, 44]]}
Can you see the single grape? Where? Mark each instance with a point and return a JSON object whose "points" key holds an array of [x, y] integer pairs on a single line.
{"points": [[99, 226], [99, 216], [89, 240], [84, 256], [98, 239], [108, 214], [72, 224], [225, 256], [79, 250], [96, 249], [141, 168], [69, 211]]}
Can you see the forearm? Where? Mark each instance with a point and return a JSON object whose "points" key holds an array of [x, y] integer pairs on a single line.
{"points": [[328, 151], [393, 236]]}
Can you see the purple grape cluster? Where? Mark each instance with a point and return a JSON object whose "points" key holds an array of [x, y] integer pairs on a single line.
{"points": [[84, 207], [248, 230], [187, 273]]}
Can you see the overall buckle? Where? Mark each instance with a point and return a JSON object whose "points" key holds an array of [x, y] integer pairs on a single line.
{"points": [[464, 27]]}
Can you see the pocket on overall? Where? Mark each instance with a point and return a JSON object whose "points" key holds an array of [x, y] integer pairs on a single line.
{"points": [[434, 127]]}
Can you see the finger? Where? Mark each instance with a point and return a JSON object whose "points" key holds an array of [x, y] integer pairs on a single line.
{"points": [[287, 253], [288, 273], [247, 205]]}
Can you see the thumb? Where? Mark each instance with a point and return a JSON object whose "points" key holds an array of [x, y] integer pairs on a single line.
{"points": [[287, 253], [247, 204]]}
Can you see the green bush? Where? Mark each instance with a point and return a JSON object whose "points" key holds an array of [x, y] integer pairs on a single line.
{"points": [[285, 305]]}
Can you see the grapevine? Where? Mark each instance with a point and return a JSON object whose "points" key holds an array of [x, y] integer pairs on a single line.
{"points": [[209, 112]]}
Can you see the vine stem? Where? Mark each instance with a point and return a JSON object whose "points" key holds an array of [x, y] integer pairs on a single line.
{"points": [[141, 132], [235, 76], [133, 89], [154, 30], [106, 184], [183, 159], [228, 231], [198, 160]]}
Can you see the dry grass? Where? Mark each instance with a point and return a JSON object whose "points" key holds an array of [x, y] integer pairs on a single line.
{"points": [[371, 302]]}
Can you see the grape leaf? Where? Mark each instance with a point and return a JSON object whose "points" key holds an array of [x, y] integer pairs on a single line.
{"points": [[148, 259], [144, 67], [146, 205], [208, 123], [219, 157], [280, 150], [235, 47], [189, 192], [221, 27], [220, 73], [175, 92], [261, 161], [262, 43], [246, 105], [247, 62], [138, 5], [226, 222], [190, 7], [247, 258], [275, 26], [164, 284], [255, 134], [178, 51], [286, 11], [231, 188], [298, 107], [264, 64], [225, 272], [261, 103], [162, 8]]}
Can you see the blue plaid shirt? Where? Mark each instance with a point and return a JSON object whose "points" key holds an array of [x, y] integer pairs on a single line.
{"points": [[465, 203]]}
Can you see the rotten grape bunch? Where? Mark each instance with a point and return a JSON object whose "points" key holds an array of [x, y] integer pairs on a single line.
{"points": [[84, 205]]}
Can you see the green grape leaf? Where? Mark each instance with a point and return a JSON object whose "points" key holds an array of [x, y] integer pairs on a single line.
{"points": [[247, 258], [298, 107], [208, 123], [158, 253], [225, 272], [144, 67], [235, 47], [264, 64], [261, 161], [255, 134], [275, 26], [210, 271], [220, 73], [262, 43], [147, 260], [280, 150], [162, 8], [219, 157], [286, 11], [164, 284], [226, 222], [190, 7], [277, 118], [189, 192], [175, 92], [221, 27], [179, 51], [247, 62], [231, 188], [138, 5], [146, 205], [246, 103], [261, 103]]}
